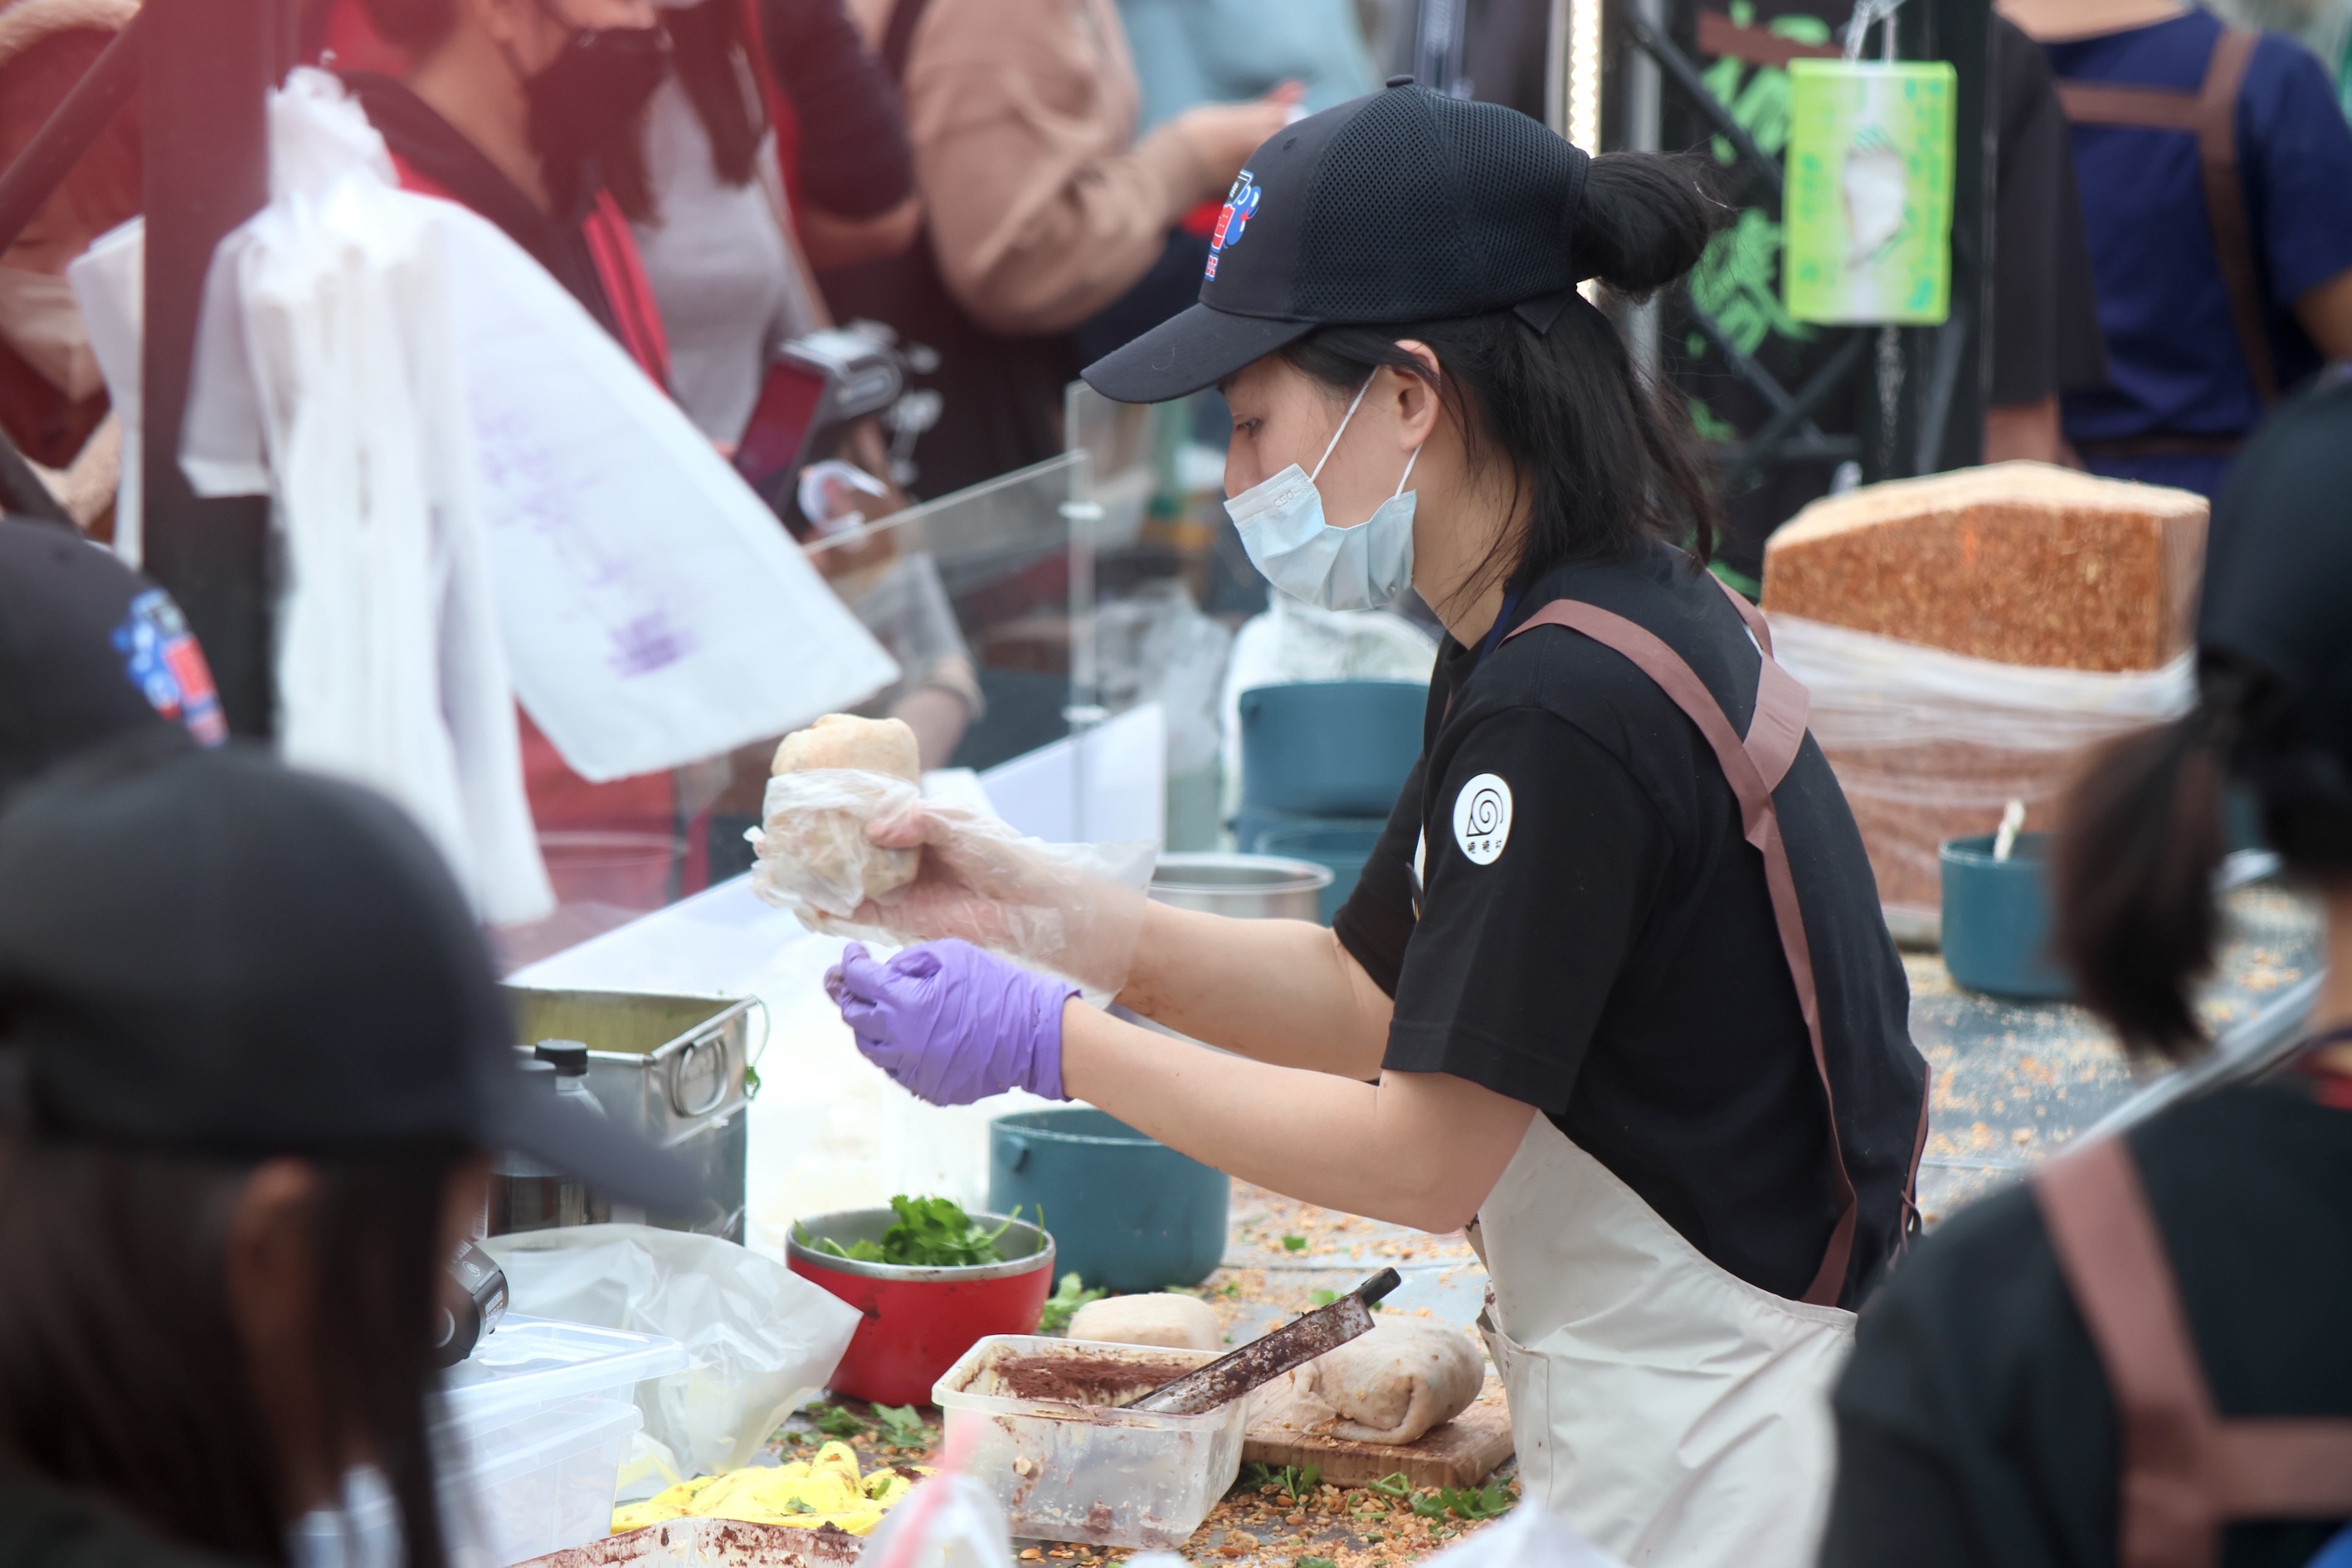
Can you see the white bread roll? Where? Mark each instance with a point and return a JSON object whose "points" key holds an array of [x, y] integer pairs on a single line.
{"points": [[1167, 1321], [830, 843]]}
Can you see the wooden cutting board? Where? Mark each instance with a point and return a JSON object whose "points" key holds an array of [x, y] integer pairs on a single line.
{"points": [[1462, 1452]]}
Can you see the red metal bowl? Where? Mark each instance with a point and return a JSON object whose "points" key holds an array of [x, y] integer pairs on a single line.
{"points": [[920, 1321]]}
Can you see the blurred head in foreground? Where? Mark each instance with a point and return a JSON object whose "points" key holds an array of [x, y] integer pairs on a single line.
{"points": [[2143, 829], [252, 1056]]}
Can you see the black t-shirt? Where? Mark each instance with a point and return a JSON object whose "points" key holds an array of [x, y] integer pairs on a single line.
{"points": [[1610, 957], [1975, 1422], [2045, 307]]}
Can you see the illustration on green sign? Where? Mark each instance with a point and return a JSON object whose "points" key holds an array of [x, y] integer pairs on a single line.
{"points": [[1868, 206]]}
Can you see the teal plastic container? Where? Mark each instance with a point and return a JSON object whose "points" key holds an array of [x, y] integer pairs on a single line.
{"points": [[1127, 1213], [1996, 920], [1342, 847], [1330, 748]]}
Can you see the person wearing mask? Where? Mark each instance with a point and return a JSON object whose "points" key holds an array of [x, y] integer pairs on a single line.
{"points": [[1681, 1190], [2216, 176], [1042, 212], [91, 654], [2138, 1356], [52, 403], [254, 1065]]}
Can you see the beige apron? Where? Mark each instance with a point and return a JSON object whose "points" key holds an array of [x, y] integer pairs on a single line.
{"points": [[1673, 1412]]}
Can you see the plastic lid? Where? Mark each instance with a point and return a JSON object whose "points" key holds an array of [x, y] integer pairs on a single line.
{"points": [[531, 1361]]}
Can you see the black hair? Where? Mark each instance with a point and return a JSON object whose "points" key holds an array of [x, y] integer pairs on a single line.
{"points": [[708, 52], [1609, 452], [123, 1377], [2142, 834]]}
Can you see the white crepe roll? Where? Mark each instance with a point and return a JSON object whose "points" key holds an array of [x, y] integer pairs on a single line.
{"points": [[1168, 1320], [1396, 1382]]}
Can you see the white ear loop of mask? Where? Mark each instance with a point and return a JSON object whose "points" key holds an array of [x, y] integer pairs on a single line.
{"points": [[1343, 430]]}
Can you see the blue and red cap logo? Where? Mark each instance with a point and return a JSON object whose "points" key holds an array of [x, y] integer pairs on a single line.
{"points": [[1241, 204], [160, 657]]}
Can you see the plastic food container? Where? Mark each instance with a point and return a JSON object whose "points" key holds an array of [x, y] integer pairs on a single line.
{"points": [[918, 1321], [1089, 1472], [534, 1426]]}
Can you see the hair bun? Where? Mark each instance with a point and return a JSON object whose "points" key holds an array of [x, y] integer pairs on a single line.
{"points": [[1644, 218]]}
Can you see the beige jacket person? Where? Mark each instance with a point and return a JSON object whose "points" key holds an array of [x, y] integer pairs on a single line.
{"points": [[1042, 208]]}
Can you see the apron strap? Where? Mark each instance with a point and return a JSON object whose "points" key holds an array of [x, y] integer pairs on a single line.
{"points": [[2184, 1470], [2210, 113], [1754, 767]]}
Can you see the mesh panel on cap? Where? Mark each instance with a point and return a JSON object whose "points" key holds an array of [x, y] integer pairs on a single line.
{"points": [[1383, 231], [1514, 177], [1428, 207]]}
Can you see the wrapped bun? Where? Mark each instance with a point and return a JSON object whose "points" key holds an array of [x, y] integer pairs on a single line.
{"points": [[827, 782], [1166, 1320], [1394, 1384]]}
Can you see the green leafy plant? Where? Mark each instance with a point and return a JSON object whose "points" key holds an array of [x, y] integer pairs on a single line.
{"points": [[1464, 1503], [1294, 1243], [1396, 1487], [1291, 1481], [835, 1422], [1068, 1296], [902, 1425], [1324, 1298], [929, 1233], [1315, 1563]]}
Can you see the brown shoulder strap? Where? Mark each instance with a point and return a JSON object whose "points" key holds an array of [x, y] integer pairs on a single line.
{"points": [[2185, 1471], [2210, 113], [1753, 767]]}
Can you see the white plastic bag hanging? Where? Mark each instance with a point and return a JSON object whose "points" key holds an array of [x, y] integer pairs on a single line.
{"points": [[762, 1340]]}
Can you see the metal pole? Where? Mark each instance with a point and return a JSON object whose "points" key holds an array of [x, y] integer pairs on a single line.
{"points": [[207, 67]]}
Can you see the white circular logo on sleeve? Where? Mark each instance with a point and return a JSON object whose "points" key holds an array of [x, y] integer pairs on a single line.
{"points": [[1482, 818]]}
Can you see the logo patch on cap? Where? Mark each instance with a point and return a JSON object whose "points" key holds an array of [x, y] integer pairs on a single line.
{"points": [[1482, 818], [162, 658], [1241, 204]]}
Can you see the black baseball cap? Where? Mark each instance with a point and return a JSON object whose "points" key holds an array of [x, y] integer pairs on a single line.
{"points": [[90, 651], [1402, 205], [212, 952]]}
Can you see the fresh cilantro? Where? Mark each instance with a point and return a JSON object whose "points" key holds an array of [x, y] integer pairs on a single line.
{"points": [[1315, 1563], [903, 1425], [1324, 1298], [1396, 1487], [1063, 1304], [1294, 1243], [835, 1422], [929, 1233]]}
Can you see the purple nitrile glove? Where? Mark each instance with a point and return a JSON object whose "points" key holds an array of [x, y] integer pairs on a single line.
{"points": [[952, 1023]]}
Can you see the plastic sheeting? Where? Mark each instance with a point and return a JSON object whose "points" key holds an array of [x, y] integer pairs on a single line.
{"points": [[1930, 745], [762, 1340]]}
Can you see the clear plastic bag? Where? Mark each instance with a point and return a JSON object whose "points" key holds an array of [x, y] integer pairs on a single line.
{"points": [[1072, 910], [1930, 745], [949, 1521], [761, 1339]]}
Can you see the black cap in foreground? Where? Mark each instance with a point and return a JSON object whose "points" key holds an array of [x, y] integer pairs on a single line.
{"points": [[1403, 205], [90, 651], [217, 954]]}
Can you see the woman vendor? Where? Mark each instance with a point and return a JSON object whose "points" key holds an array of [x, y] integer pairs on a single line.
{"points": [[1614, 984]]}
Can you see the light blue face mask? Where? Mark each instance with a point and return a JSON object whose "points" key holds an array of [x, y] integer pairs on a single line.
{"points": [[1281, 527]]}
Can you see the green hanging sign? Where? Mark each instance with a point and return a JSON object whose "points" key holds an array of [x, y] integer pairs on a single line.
{"points": [[1868, 207]]}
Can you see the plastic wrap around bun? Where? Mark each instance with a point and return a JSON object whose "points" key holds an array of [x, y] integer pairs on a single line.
{"points": [[827, 784]]}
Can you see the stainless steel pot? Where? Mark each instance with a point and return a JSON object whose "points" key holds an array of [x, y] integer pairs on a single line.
{"points": [[1247, 887]]}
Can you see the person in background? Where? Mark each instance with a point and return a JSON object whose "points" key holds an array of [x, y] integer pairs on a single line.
{"points": [[253, 1065], [2216, 176], [2045, 307], [91, 654], [53, 405], [532, 113], [845, 164], [1191, 52], [1043, 210], [2060, 1377]]}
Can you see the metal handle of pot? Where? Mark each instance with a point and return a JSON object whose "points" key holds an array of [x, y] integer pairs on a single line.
{"points": [[696, 1052]]}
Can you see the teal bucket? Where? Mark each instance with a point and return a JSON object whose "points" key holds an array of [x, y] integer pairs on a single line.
{"points": [[1343, 847], [1127, 1213], [1997, 918], [1330, 748]]}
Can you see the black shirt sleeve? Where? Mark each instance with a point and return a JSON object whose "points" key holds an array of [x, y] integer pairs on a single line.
{"points": [[1377, 920], [1514, 959], [2046, 337], [854, 160]]}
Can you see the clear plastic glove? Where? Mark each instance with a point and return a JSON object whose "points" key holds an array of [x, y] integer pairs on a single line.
{"points": [[1076, 909], [951, 1023]]}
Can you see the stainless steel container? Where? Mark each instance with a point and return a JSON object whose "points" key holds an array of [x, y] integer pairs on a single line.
{"points": [[675, 1070], [1248, 887]]}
